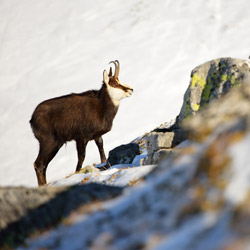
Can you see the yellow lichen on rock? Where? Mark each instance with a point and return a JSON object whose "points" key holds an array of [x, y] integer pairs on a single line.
{"points": [[195, 106], [211, 81], [197, 80]]}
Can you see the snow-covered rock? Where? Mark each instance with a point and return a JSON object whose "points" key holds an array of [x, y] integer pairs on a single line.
{"points": [[197, 199], [52, 48]]}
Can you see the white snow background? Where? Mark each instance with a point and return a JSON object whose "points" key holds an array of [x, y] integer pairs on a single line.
{"points": [[51, 48]]}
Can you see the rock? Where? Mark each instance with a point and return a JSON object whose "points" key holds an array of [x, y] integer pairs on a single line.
{"points": [[16, 201], [89, 169], [234, 107], [26, 210], [158, 156], [123, 154], [210, 81], [159, 144], [158, 140], [198, 199]]}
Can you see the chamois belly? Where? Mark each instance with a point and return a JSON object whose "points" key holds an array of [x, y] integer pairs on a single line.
{"points": [[86, 131]]}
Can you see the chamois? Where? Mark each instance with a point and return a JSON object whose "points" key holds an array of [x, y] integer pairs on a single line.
{"points": [[80, 117]]}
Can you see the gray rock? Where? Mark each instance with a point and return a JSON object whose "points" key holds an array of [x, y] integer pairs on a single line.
{"points": [[235, 106], [210, 81], [159, 144], [26, 210], [123, 154], [189, 201], [161, 140], [186, 202], [158, 156]]}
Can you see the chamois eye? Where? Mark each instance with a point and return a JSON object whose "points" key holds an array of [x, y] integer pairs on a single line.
{"points": [[113, 83]]}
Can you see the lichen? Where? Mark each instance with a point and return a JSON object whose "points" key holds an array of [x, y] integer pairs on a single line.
{"points": [[212, 82], [231, 78], [187, 107], [195, 106], [206, 93], [197, 80], [224, 77], [208, 83]]}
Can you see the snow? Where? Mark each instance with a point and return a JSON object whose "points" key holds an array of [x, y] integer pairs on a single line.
{"points": [[192, 233], [240, 172], [121, 215], [118, 175], [51, 48]]}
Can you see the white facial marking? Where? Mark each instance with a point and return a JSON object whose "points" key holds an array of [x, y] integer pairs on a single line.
{"points": [[117, 94], [116, 89]]}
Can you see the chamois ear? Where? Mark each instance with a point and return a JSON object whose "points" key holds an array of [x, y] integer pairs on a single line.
{"points": [[105, 77], [110, 72]]}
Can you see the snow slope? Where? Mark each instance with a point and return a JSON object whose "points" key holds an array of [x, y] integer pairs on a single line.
{"points": [[50, 48]]}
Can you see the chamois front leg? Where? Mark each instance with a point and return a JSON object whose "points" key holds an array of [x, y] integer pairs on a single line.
{"points": [[40, 174], [81, 148], [99, 143]]}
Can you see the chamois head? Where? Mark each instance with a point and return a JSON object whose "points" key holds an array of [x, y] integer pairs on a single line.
{"points": [[116, 89]]}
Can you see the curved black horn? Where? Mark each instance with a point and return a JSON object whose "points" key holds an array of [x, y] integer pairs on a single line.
{"points": [[117, 67]]}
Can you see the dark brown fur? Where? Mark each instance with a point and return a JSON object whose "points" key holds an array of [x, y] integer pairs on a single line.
{"points": [[79, 117]]}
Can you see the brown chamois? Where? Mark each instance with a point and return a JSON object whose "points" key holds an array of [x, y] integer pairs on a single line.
{"points": [[80, 117]]}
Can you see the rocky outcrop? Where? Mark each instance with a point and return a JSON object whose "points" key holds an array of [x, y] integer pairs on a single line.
{"points": [[209, 81], [161, 144], [123, 154], [27, 210], [233, 109], [198, 199]]}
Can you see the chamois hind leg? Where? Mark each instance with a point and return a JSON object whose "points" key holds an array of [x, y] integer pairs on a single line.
{"points": [[99, 143], [46, 153], [81, 149]]}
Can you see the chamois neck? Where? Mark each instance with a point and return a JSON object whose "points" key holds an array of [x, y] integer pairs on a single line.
{"points": [[114, 93], [106, 102]]}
